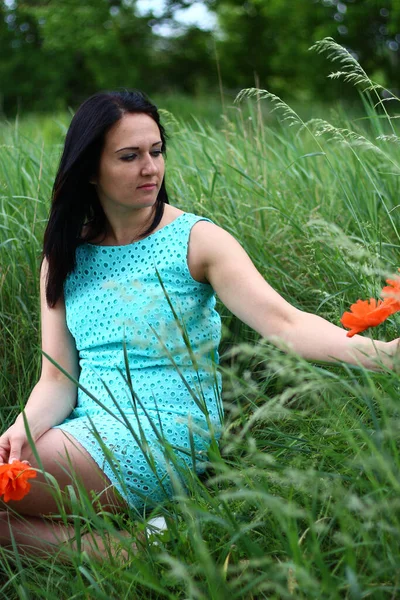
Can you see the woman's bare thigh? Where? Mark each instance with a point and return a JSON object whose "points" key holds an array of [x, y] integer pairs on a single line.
{"points": [[68, 462]]}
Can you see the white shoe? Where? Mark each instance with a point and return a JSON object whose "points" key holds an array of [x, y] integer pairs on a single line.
{"points": [[156, 525]]}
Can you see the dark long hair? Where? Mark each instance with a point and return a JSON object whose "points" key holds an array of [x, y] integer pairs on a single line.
{"points": [[74, 199]]}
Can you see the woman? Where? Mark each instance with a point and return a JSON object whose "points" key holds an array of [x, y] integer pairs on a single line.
{"points": [[127, 307]]}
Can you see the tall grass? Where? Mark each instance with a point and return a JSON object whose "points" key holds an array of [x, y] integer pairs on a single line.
{"points": [[303, 499]]}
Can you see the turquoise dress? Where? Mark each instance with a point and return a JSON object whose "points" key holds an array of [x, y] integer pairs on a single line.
{"points": [[147, 334]]}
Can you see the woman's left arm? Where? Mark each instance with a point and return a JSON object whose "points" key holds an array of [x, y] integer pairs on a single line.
{"points": [[215, 254]]}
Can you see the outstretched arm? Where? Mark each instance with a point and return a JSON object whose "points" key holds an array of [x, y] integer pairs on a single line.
{"points": [[236, 281]]}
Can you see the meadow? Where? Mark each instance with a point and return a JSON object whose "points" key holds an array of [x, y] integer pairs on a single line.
{"points": [[302, 499]]}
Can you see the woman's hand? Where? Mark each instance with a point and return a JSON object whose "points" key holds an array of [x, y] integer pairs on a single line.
{"points": [[13, 444], [393, 350]]}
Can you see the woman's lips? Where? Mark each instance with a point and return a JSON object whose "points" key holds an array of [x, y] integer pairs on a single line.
{"points": [[147, 186]]}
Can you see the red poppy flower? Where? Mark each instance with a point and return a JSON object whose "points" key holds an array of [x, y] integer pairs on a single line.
{"points": [[366, 313], [391, 293], [13, 480]]}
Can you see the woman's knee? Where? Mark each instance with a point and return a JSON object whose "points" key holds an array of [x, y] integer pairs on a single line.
{"points": [[55, 449], [61, 461]]}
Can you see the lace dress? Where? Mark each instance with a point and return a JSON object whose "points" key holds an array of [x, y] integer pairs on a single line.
{"points": [[147, 335]]}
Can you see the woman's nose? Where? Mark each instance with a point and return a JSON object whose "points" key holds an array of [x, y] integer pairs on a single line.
{"points": [[149, 166]]}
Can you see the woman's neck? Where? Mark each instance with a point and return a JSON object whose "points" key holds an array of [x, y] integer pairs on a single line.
{"points": [[125, 229], [122, 229]]}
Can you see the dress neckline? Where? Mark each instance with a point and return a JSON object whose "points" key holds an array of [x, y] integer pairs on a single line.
{"points": [[137, 241]]}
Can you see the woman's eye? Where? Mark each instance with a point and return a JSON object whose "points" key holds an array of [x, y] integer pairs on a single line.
{"points": [[129, 157], [156, 153]]}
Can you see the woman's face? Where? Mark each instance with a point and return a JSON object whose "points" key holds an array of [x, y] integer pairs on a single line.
{"points": [[131, 167]]}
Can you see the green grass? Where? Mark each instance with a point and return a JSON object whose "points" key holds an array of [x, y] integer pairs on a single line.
{"points": [[303, 500]]}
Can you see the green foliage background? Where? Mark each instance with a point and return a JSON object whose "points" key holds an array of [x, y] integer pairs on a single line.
{"points": [[54, 54]]}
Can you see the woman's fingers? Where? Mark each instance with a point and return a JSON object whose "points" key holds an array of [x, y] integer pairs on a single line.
{"points": [[11, 446], [4, 450], [12, 443], [16, 443]]}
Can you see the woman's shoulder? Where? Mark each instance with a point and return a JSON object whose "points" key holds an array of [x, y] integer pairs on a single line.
{"points": [[172, 212], [205, 243]]}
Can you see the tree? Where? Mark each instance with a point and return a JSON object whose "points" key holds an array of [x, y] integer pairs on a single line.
{"points": [[270, 40], [54, 53], [68, 49]]}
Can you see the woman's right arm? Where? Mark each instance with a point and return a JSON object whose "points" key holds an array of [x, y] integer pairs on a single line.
{"points": [[54, 396]]}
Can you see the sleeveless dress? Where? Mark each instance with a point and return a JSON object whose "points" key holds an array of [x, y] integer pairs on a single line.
{"points": [[147, 333]]}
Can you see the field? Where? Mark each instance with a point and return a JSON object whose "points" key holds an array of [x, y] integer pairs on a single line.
{"points": [[302, 500]]}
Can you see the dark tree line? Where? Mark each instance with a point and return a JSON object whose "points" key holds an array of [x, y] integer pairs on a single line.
{"points": [[53, 53]]}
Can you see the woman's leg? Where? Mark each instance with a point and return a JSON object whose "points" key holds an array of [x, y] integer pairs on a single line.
{"points": [[33, 533], [68, 462], [46, 537]]}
